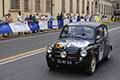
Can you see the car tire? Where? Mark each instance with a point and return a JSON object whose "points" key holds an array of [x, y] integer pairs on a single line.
{"points": [[51, 65], [91, 67]]}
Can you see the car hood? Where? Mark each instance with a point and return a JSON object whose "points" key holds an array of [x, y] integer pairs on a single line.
{"points": [[72, 44]]}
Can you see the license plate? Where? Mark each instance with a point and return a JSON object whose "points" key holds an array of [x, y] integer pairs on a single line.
{"points": [[64, 62]]}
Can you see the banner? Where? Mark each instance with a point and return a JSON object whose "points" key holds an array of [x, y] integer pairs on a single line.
{"points": [[50, 22], [55, 24], [33, 26], [66, 21], [19, 27], [60, 24], [43, 25], [5, 28]]}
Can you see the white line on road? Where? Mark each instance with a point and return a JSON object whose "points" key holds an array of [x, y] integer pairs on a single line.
{"points": [[113, 29], [21, 56]]}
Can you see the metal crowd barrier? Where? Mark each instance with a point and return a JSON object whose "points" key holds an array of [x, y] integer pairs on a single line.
{"points": [[11, 28]]}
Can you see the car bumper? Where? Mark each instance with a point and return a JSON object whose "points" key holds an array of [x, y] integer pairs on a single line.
{"points": [[71, 62]]}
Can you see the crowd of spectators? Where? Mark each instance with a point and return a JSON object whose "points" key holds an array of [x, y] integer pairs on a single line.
{"points": [[36, 17]]}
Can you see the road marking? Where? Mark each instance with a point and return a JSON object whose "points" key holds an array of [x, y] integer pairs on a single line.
{"points": [[113, 29], [21, 56]]}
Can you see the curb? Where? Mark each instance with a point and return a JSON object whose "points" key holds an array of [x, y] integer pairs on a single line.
{"points": [[12, 36]]}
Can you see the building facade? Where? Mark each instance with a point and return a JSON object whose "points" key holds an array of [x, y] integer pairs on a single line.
{"points": [[116, 5], [105, 7], [53, 7]]}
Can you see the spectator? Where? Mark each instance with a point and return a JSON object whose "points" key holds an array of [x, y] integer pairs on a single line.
{"points": [[34, 18], [91, 18], [19, 17], [58, 16], [10, 18], [30, 18], [71, 20], [78, 18], [74, 18], [46, 18], [7, 18], [1, 20], [43, 17], [82, 18], [112, 18], [37, 17], [61, 17], [87, 18], [97, 18], [27, 18], [51, 17]]}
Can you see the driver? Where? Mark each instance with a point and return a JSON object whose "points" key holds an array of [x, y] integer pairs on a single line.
{"points": [[100, 32]]}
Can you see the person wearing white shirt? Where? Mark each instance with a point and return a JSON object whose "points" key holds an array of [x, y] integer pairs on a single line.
{"points": [[19, 17]]}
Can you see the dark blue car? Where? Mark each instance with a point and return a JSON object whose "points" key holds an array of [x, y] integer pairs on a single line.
{"points": [[83, 44]]}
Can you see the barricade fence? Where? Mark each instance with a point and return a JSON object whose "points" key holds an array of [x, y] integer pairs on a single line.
{"points": [[17, 27]]}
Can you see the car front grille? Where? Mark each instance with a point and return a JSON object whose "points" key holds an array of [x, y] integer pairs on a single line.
{"points": [[70, 56]]}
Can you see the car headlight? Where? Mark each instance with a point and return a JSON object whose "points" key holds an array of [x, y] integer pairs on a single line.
{"points": [[63, 54], [49, 50], [83, 53]]}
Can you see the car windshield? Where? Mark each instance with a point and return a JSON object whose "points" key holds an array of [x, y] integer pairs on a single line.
{"points": [[83, 32]]}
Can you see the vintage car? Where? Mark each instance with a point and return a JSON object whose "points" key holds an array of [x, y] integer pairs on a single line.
{"points": [[82, 44]]}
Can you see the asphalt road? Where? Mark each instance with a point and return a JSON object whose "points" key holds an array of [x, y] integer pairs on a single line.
{"points": [[19, 45], [35, 68]]}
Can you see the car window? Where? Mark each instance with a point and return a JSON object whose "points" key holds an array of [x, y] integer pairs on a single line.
{"points": [[83, 32]]}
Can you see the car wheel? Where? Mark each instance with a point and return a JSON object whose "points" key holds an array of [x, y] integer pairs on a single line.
{"points": [[92, 65], [51, 65]]}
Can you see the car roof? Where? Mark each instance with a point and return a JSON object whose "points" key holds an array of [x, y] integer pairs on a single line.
{"points": [[84, 23]]}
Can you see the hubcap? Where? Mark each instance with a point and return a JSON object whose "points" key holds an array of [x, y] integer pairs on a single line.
{"points": [[93, 65]]}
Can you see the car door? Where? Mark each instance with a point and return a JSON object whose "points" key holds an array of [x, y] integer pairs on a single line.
{"points": [[106, 40], [100, 41]]}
